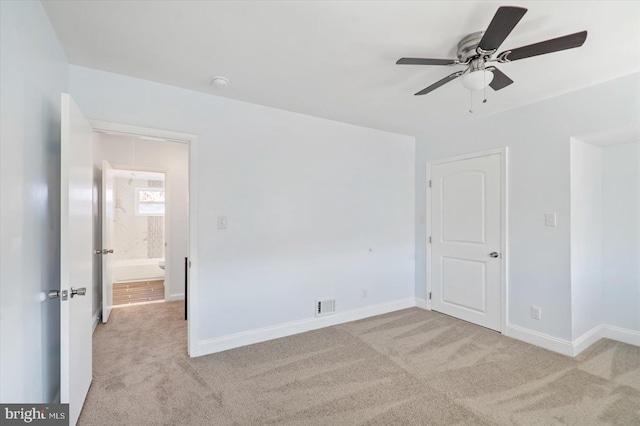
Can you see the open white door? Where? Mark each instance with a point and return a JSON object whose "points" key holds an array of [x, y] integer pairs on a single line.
{"points": [[107, 240], [76, 247]]}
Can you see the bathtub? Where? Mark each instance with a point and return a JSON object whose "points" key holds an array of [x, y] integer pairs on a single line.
{"points": [[137, 269]]}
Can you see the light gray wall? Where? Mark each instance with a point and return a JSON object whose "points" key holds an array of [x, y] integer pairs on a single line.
{"points": [[172, 158], [586, 237], [539, 182], [622, 235], [305, 199], [605, 236], [33, 73]]}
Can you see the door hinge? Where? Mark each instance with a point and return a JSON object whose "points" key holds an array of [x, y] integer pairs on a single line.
{"points": [[429, 183], [429, 295], [429, 239]]}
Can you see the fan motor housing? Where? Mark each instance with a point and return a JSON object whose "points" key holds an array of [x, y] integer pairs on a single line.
{"points": [[467, 46]]}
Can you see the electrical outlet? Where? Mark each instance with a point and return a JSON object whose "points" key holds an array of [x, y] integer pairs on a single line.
{"points": [[364, 293], [536, 312], [550, 219]]}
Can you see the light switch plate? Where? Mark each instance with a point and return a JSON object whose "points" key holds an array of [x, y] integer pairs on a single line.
{"points": [[550, 219]]}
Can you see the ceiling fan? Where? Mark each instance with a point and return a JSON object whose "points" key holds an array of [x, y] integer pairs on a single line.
{"points": [[476, 50]]}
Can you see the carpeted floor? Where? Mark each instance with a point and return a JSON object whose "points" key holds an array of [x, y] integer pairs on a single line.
{"points": [[409, 367]]}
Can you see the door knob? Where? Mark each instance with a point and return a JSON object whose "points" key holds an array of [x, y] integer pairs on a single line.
{"points": [[79, 291], [494, 254]]}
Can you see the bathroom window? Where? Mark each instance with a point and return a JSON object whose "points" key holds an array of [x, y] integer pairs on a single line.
{"points": [[150, 201]]}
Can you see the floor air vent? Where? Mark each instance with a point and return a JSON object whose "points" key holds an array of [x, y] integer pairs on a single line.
{"points": [[325, 307]]}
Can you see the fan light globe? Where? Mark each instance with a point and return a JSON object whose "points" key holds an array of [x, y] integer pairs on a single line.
{"points": [[477, 80]]}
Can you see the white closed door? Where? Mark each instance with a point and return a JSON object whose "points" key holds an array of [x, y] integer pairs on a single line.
{"points": [[76, 251], [107, 239], [466, 243]]}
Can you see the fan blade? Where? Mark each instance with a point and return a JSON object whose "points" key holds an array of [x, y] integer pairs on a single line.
{"points": [[503, 22], [442, 82], [500, 79], [549, 46], [426, 61]]}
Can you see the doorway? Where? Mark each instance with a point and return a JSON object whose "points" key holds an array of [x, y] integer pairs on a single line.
{"points": [[135, 236], [466, 241], [153, 153]]}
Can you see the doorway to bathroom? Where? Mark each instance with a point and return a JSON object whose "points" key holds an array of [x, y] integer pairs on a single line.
{"points": [[135, 231], [142, 187]]}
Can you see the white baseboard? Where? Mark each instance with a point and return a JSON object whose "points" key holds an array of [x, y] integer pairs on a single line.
{"points": [[624, 335], [422, 303], [96, 319], [587, 339], [542, 340], [575, 347], [174, 297], [219, 344]]}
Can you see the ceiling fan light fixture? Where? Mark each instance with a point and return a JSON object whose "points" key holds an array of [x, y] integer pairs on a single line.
{"points": [[477, 80]]}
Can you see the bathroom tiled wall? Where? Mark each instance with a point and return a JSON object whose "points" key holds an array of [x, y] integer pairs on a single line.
{"points": [[155, 229], [137, 237]]}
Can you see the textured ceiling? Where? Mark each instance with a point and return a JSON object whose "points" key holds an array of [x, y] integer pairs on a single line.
{"points": [[337, 59]]}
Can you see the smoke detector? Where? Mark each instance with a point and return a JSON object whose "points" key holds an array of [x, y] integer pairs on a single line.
{"points": [[219, 82]]}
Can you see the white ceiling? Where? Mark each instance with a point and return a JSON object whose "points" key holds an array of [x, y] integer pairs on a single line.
{"points": [[337, 59]]}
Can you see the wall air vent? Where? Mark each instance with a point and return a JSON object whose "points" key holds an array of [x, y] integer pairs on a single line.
{"points": [[325, 307]]}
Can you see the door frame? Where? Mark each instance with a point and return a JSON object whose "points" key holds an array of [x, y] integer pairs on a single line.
{"points": [[504, 196], [192, 141]]}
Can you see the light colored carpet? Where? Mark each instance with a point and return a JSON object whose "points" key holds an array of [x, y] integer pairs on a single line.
{"points": [[411, 367]]}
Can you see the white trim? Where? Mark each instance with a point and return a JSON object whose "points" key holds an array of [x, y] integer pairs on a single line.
{"points": [[505, 237], [165, 135], [620, 334], [504, 209], [192, 141], [174, 297], [587, 339], [427, 220], [422, 303], [192, 273], [575, 347], [219, 344], [96, 319], [542, 340]]}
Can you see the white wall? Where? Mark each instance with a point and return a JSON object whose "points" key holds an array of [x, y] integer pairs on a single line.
{"points": [[539, 182], [586, 236], [33, 73], [172, 158], [305, 200], [622, 235]]}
